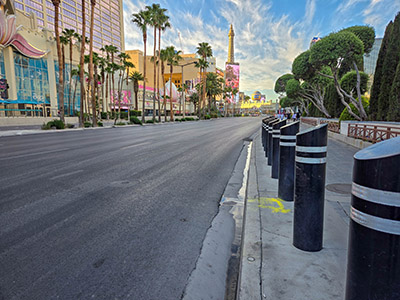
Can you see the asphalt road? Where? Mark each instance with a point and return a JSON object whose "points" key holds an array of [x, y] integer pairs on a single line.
{"points": [[116, 213]]}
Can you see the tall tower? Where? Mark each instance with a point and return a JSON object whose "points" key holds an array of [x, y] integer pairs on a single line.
{"points": [[231, 49]]}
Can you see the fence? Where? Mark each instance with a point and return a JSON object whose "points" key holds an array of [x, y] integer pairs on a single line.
{"points": [[333, 126], [372, 133]]}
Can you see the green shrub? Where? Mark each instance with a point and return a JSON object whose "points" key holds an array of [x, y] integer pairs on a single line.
{"points": [[87, 124], [214, 115], [345, 116], [149, 121], [183, 119], [120, 124], [135, 120], [104, 115], [57, 124], [70, 125], [100, 124], [189, 119], [135, 113], [46, 126], [207, 117]]}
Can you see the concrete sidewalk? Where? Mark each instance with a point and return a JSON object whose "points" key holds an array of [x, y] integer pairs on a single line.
{"points": [[271, 267]]}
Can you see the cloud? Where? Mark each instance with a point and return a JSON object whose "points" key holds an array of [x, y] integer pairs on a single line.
{"points": [[266, 41]]}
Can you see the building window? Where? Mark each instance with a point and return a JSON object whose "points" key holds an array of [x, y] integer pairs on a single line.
{"points": [[34, 4], [31, 80], [19, 6], [36, 12], [2, 68], [71, 104], [69, 7]]}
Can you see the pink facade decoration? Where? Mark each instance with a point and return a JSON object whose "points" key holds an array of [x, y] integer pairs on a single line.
{"points": [[175, 93], [9, 36]]}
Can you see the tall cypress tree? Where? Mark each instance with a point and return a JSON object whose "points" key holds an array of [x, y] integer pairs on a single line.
{"points": [[378, 74], [394, 100], [389, 70], [332, 101]]}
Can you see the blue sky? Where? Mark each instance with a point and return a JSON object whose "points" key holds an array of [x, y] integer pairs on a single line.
{"points": [[269, 34]]}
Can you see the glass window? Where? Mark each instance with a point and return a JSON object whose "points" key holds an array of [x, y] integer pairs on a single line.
{"points": [[71, 104], [69, 7], [34, 4], [31, 10], [106, 32], [50, 12], [19, 6], [69, 14], [31, 79], [2, 68]]}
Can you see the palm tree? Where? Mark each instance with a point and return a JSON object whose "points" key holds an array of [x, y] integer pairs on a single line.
{"points": [[156, 18], [163, 58], [142, 20], [56, 4], [205, 51], [234, 93], [202, 64], [194, 98], [173, 59], [227, 93], [163, 25], [82, 63], [69, 34], [113, 50], [91, 67], [136, 77]]}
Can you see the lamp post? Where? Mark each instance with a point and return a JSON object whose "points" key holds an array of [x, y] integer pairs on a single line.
{"points": [[183, 81]]}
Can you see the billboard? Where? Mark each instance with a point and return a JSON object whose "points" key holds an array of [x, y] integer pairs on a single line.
{"points": [[232, 72]]}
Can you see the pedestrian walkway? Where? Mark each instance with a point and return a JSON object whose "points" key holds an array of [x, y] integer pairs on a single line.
{"points": [[271, 267]]}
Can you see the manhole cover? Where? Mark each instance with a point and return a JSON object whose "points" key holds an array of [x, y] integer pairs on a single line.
{"points": [[339, 188]]}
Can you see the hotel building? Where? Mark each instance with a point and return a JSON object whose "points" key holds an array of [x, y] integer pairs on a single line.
{"points": [[28, 52]]}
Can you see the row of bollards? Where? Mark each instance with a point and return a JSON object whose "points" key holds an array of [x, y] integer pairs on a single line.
{"points": [[298, 160]]}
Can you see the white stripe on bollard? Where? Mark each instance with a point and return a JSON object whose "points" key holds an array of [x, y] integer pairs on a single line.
{"points": [[375, 223], [376, 196]]}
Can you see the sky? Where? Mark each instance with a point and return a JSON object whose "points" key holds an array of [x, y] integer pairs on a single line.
{"points": [[268, 34]]}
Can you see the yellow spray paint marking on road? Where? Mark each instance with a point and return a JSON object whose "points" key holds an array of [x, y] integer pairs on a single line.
{"points": [[274, 204]]}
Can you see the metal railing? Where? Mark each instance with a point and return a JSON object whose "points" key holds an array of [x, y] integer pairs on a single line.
{"points": [[333, 126], [312, 122], [372, 133]]}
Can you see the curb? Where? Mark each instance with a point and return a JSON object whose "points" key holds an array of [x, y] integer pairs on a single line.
{"points": [[216, 273]]}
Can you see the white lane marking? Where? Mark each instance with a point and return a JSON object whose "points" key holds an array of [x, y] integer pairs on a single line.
{"points": [[133, 146], [33, 154], [66, 174]]}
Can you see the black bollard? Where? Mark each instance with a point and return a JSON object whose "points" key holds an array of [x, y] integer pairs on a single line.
{"points": [[373, 257], [266, 133], [269, 140], [309, 188], [287, 151], [276, 134]]}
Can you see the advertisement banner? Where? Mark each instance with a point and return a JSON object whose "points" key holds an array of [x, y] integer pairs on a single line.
{"points": [[232, 72]]}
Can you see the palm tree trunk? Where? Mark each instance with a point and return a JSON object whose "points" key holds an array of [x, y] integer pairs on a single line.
{"points": [[154, 63], [158, 75], [144, 76], [70, 76], [73, 99], [82, 69], [107, 81], [165, 97], [170, 94], [91, 79], [113, 84], [61, 66]]}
